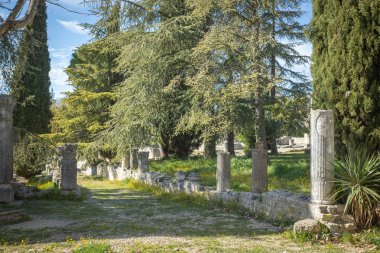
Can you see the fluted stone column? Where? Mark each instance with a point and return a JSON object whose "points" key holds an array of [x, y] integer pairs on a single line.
{"points": [[133, 159], [68, 166], [322, 156], [126, 160], [7, 104], [259, 170], [223, 172]]}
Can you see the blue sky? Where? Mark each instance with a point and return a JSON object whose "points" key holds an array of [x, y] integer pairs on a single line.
{"points": [[65, 34]]}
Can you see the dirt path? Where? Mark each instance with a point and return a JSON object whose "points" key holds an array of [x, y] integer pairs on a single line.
{"points": [[130, 221]]}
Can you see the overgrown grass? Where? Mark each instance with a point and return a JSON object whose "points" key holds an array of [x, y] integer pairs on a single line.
{"points": [[286, 171], [93, 247]]}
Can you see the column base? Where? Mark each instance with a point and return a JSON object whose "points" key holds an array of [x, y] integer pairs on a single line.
{"points": [[6, 193]]}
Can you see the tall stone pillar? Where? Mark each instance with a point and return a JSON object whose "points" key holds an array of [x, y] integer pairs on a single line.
{"points": [[68, 166], [143, 161], [322, 156], [125, 162], [133, 159], [7, 104], [223, 172], [259, 170]]}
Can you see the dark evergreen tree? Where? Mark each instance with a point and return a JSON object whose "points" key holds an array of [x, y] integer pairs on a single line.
{"points": [[31, 83], [346, 68]]}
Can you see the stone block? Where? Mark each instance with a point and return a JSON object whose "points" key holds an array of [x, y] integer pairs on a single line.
{"points": [[335, 209], [350, 227], [347, 218], [330, 217], [334, 227], [307, 225], [180, 175]]}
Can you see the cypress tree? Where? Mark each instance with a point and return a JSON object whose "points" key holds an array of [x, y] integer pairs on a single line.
{"points": [[346, 76], [31, 83]]}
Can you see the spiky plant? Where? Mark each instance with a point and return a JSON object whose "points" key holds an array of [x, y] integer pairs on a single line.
{"points": [[358, 183]]}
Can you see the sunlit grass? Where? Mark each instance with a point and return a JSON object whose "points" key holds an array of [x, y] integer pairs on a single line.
{"points": [[286, 171]]}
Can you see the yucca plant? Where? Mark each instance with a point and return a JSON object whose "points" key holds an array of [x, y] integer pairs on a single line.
{"points": [[358, 184]]}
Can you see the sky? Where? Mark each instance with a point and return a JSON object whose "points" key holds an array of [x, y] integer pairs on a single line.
{"points": [[65, 34]]}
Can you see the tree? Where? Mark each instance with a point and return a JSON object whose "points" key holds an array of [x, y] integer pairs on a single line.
{"points": [[30, 82], [345, 70], [13, 20], [30, 85]]}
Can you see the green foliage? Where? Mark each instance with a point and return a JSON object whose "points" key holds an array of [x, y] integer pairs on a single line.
{"points": [[93, 247], [30, 83], [287, 171], [358, 184], [346, 62], [31, 154]]}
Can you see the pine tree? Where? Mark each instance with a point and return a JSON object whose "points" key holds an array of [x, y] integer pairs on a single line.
{"points": [[346, 63], [31, 83]]}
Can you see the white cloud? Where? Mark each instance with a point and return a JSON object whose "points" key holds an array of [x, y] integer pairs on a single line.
{"points": [[60, 59], [72, 2], [73, 26]]}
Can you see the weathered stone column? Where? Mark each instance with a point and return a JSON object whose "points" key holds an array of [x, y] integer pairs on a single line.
{"points": [[143, 161], [223, 172], [291, 142], [68, 166], [322, 156], [126, 160], [259, 170], [7, 104], [94, 170], [133, 159]]}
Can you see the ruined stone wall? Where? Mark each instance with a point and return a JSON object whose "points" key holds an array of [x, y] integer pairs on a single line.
{"points": [[275, 205]]}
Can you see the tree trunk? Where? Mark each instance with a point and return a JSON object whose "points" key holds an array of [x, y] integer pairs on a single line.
{"points": [[273, 143], [230, 143], [210, 147]]}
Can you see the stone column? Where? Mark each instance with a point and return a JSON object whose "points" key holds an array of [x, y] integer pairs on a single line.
{"points": [[125, 162], [94, 170], [322, 156], [68, 166], [143, 161], [259, 170], [7, 104], [291, 142], [223, 172], [133, 159]]}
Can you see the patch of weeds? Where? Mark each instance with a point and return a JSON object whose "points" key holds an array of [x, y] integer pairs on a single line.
{"points": [[371, 236], [93, 247], [96, 178]]}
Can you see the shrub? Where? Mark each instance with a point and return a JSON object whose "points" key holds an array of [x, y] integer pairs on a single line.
{"points": [[31, 153], [358, 184]]}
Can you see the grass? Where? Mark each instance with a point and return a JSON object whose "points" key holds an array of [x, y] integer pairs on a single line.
{"points": [[123, 217], [286, 171]]}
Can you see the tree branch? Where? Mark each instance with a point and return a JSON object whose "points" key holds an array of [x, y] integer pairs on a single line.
{"points": [[12, 24]]}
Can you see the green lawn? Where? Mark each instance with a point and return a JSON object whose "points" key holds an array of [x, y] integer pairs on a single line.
{"points": [[286, 171], [125, 217]]}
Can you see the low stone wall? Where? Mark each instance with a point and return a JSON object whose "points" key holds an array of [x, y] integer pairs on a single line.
{"points": [[275, 205]]}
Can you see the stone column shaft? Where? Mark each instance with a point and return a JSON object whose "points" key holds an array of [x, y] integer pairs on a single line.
{"points": [[126, 160], [133, 159], [223, 172], [259, 170], [7, 104], [143, 161], [322, 156], [68, 166]]}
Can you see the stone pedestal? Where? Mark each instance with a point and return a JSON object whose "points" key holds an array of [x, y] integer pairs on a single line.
{"points": [[126, 160], [68, 167], [7, 104], [133, 159], [322, 156], [143, 161], [223, 172], [259, 170]]}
